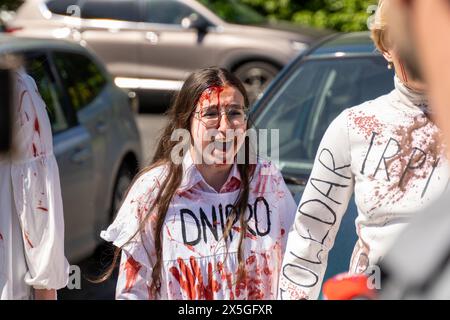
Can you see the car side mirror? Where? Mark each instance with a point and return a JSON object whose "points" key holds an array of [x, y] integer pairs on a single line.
{"points": [[195, 21]]}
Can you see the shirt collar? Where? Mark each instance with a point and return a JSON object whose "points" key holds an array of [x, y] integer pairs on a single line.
{"points": [[192, 176], [411, 98]]}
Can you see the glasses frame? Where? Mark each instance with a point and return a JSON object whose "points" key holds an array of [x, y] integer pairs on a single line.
{"points": [[221, 113]]}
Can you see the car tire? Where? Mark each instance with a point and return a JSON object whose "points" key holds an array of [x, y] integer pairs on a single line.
{"points": [[121, 186], [256, 76]]}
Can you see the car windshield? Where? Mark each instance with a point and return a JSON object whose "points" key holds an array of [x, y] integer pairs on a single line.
{"points": [[233, 11], [311, 96]]}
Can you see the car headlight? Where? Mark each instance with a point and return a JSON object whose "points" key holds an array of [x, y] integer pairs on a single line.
{"points": [[298, 46]]}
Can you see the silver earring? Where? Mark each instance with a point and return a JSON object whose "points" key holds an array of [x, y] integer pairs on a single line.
{"points": [[389, 66]]}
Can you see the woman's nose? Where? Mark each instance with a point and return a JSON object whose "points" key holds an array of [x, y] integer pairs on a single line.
{"points": [[223, 122]]}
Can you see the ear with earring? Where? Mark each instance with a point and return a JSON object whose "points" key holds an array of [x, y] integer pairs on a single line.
{"points": [[390, 65]]}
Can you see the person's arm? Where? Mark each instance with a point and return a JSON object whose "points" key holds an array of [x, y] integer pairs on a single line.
{"points": [[318, 217], [37, 193], [44, 294]]}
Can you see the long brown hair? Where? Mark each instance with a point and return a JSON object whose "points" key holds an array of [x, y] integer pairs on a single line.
{"points": [[179, 116]]}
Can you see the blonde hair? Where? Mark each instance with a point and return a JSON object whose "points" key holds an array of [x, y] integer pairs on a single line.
{"points": [[379, 27]]}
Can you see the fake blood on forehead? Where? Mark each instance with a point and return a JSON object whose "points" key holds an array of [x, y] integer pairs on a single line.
{"points": [[208, 94], [205, 99]]}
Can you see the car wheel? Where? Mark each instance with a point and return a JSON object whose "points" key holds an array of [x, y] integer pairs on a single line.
{"points": [[256, 76], [123, 181]]}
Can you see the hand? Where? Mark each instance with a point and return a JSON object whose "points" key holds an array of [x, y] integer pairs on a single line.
{"points": [[44, 294]]}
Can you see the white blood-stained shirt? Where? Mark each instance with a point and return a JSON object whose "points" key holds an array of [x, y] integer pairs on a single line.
{"points": [[195, 260], [388, 153], [31, 211]]}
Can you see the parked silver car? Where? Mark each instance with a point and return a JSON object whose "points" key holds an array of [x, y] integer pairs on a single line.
{"points": [[96, 140], [155, 44]]}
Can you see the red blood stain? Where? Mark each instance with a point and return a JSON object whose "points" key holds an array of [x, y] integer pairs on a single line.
{"points": [[170, 235], [34, 150], [237, 229], [27, 238], [131, 268], [251, 259], [37, 127], [226, 276], [267, 271], [261, 184], [240, 286], [205, 98], [282, 232], [252, 284], [250, 236], [187, 194], [247, 234], [232, 185], [43, 209], [190, 247], [367, 124], [191, 280]]}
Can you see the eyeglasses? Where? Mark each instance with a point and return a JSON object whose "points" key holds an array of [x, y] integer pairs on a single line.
{"points": [[236, 116]]}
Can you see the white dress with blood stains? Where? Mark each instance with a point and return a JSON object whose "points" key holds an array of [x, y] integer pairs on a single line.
{"points": [[195, 264], [388, 153], [31, 212]]}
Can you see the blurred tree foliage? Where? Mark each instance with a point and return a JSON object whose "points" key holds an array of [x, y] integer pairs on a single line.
{"points": [[340, 15]]}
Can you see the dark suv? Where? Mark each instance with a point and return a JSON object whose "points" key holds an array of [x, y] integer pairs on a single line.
{"points": [[154, 44]]}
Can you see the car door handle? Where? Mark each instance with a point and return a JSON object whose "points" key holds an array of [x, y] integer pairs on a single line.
{"points": [[80, 155], [152, 37], [101, 126]]}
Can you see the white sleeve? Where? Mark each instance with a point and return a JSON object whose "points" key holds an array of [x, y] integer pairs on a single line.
{"points": [[37, 191], [319, 215], [138, 252]]}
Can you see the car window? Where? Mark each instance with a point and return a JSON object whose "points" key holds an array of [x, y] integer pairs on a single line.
{"points": [[312, 96], [166, 11], [61, 6], [234, 11], [81, 78], [38, 68], [126, 10]]}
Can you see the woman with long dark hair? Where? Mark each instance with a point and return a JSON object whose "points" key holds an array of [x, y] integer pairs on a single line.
{"points": [[202, 222]]}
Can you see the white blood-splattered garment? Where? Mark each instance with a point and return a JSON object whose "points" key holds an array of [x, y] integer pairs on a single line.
{"points": [[388, 153], [195, 265], [31, 212]]}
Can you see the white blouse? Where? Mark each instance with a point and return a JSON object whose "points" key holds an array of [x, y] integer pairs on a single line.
{"points": [[389, 154], [195, 263], [31, 211]]}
